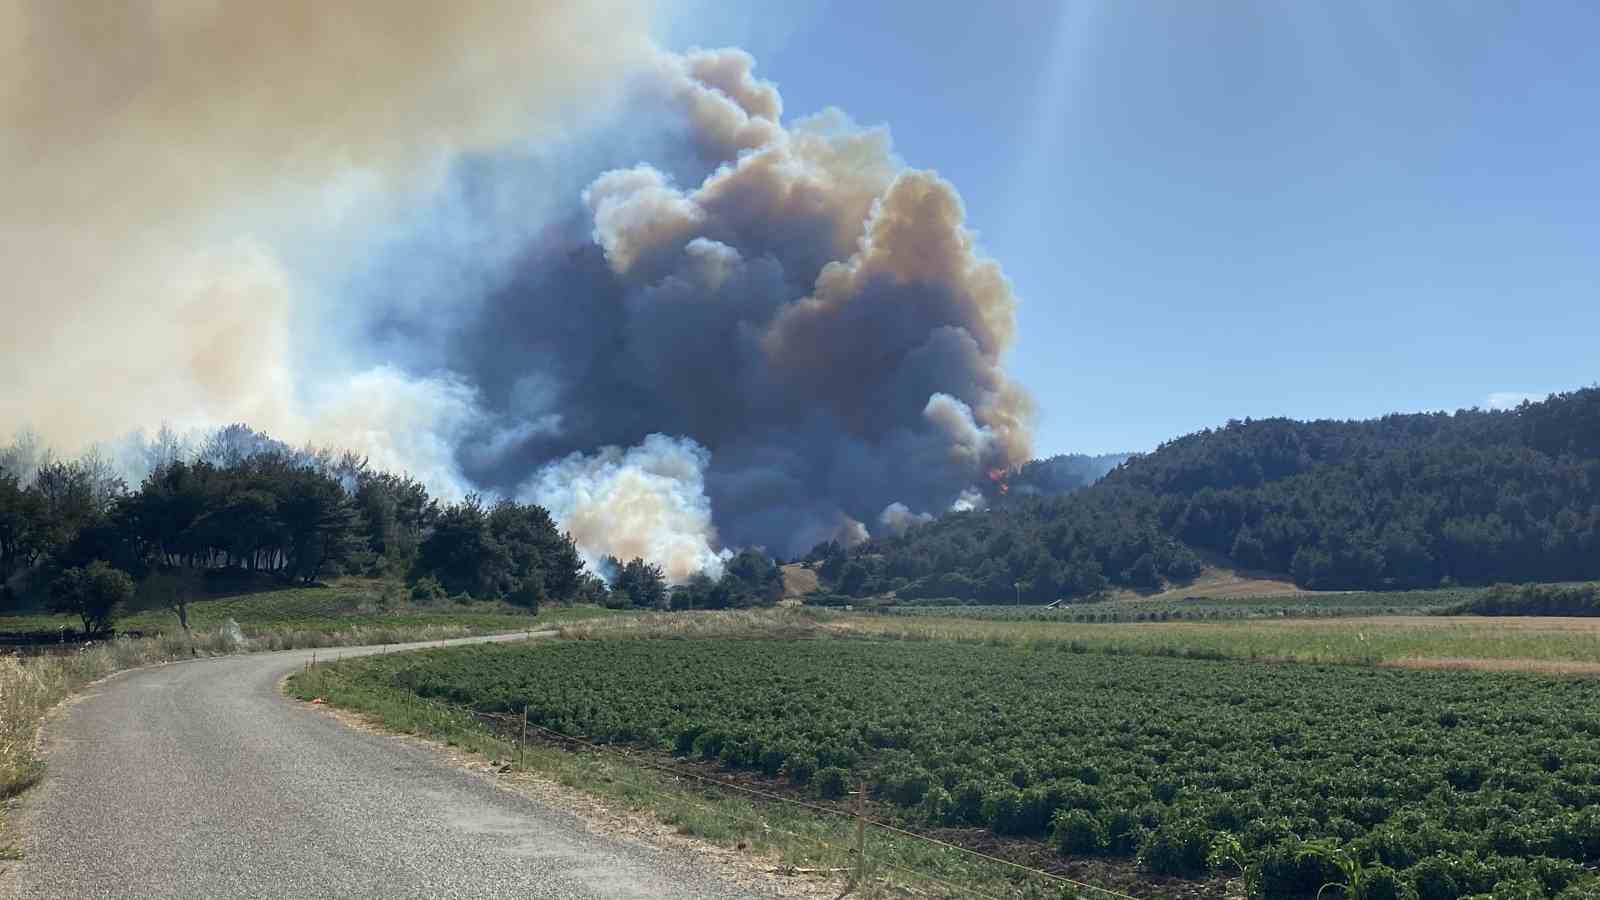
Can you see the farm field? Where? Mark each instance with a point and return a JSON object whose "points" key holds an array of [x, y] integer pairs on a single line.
{"points": [[1531, 643], [346, 604], [1398, 783]]}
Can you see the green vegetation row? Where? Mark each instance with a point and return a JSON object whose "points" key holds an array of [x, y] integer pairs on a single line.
{"points": [[1427, 785], [1293, 606], [1535, 600]]}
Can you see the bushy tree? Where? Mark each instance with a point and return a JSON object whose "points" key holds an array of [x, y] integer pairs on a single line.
{"points": [[511, 551], [642, 583], [757, 578], [94, 593]]}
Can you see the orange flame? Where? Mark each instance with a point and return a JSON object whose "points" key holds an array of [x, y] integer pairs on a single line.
{"points": [[998, 476]]}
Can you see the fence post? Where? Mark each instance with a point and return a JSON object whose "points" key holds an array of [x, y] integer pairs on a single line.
{"points": [[523, 744], [861, 832]]}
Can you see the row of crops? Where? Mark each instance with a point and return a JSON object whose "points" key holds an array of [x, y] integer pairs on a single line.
{"points": [[1433, 785], [1299, 606]]}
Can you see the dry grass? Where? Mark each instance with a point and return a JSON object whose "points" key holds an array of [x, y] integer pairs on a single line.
{"points": [[781, 622], [1222, 582], [1470, 664], [798, 581]]}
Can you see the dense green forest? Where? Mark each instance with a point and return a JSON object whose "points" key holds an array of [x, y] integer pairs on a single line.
{"points": [[75, 538], [1403, 501]]}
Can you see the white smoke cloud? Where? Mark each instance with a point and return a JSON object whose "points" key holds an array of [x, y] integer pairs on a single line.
{"points": [[1510, 399], [646, 501], [897, 519], [969, 500], [970, 443]]}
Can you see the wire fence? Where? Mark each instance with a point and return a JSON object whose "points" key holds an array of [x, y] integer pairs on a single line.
{"points": [[516, 728]]}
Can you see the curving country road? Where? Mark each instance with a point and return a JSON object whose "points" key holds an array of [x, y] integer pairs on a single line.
{"points": [[200, 779]]}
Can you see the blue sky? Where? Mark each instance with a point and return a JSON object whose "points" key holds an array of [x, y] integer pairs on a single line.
{"points": [[1220, 210]]}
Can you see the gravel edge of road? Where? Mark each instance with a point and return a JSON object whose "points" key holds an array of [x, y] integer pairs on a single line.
{"points": [[641, 827]]}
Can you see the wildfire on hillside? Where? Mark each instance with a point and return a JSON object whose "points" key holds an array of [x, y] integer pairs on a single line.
{"points": [[998, 477]]}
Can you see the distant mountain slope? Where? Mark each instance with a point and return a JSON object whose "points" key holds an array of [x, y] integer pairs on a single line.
{"points": [[1402, 501]]}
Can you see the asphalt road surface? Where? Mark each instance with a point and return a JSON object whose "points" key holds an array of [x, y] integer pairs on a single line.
{"points": [[201, 780]]}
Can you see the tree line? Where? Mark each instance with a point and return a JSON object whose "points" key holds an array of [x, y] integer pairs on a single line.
{"points": [[74, 537]]}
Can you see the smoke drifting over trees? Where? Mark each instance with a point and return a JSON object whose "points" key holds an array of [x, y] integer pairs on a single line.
{"points": [[809, 319], [678, 321]]}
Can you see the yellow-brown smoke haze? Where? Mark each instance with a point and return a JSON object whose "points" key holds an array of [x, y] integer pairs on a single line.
{"points": [[142, 144]]}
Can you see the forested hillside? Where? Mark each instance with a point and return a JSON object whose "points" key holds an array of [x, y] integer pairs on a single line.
{"points": [[1403, 501], [1062, 474]]}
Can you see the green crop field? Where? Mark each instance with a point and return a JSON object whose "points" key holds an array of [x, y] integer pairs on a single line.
{"points": [[1403, 783]]}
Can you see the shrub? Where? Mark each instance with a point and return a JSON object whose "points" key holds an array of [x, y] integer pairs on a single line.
{"points": [[1439, 877], [831, 783], [1078, 831], [1297, 869], [1577, 837], [1177, 847], [1121, 827], [1380, 882], [906, 786], [427, 592], [967, 804]]}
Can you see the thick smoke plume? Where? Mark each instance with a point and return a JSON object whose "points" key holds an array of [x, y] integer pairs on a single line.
{"points": [[678, 320], [803, 307]]}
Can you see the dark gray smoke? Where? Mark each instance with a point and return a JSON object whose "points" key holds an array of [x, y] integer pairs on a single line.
{"points": [[809, 313]]}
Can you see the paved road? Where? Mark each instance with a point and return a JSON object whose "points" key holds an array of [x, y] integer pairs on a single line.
{"points": [[201, 780]]}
